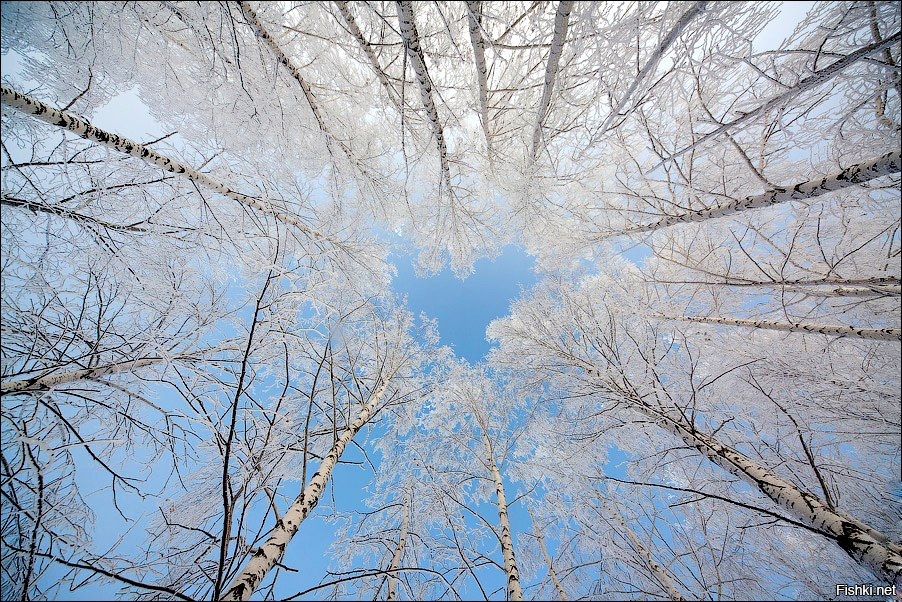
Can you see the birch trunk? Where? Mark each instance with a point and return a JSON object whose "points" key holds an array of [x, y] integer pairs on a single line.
{"points": [[865, 545], [283, 59], [557, 584], [888, 164], [848, 291], [474, 20], [399, 551], [561, 24], [652, 62], [272, 551], [880, 334], [843, 287], [415, 53], [46, 381], [656, 569], [84, 129], [369, 52], [818, 77], [514, 591]]}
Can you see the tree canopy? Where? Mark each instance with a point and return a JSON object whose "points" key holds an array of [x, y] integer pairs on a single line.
{"points": [[699, 399]]}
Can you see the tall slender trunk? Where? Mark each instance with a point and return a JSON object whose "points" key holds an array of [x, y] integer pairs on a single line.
{"points": [[561, 25], [45, 380], [880, 334], [283, 59], [514, 591], [83, 128], [657, 570], [408, 27], [853, 175], [818, 77], [474, 21], [865, 545], [399, 551], [272, 551], [557, 584], [848, 291], [841, 287], [654, 59], [369, 52]]}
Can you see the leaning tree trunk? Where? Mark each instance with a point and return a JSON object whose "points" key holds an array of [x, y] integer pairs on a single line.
{"points": [[411, 39], [880, 334], [45, 381], [888, 164], [815, 79], [286, 62], [514, 591], [649, 561], [83, 128], [369, 52], [865, 545], [557, 584], [399, 551], [561, 24], [654, 59], [272, 551], [474, 21]]}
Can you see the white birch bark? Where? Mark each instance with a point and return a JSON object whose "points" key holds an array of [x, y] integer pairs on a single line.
{"points": [[272, 551], [561, 24], [84, 129], [656, 569], [46, 381], [652, 63], [827, 287], [848, 291], [880, 334], [399, 551], [40, 383], [368, 51], [818, 77], [411, 39], [557, 584], [514, 590], [864, 544], [888, 164], [474, 20], [283, 59]]}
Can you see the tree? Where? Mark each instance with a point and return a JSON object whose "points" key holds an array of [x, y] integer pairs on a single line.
{"points": [[197, 301]]}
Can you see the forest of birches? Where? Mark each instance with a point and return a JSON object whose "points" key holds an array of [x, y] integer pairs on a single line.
{"points": [[699, 399]]}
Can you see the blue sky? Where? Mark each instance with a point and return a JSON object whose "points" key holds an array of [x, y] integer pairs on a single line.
{"points": [[464, 308]]}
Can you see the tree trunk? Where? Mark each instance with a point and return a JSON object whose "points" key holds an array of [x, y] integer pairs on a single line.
{"points": [[369, 52], [514, 591], [818, 77], [272, 551], [411, 38], [312, 102], [399, 551], [46, 381], [654, 59], [865, 545], [561, 24], [853, 175], [880, 334], [83, 128], [656, 569], [557, 584], [474, 20]]}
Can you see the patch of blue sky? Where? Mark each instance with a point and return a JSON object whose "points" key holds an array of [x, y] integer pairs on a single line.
{"points": [[464, 308]]}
